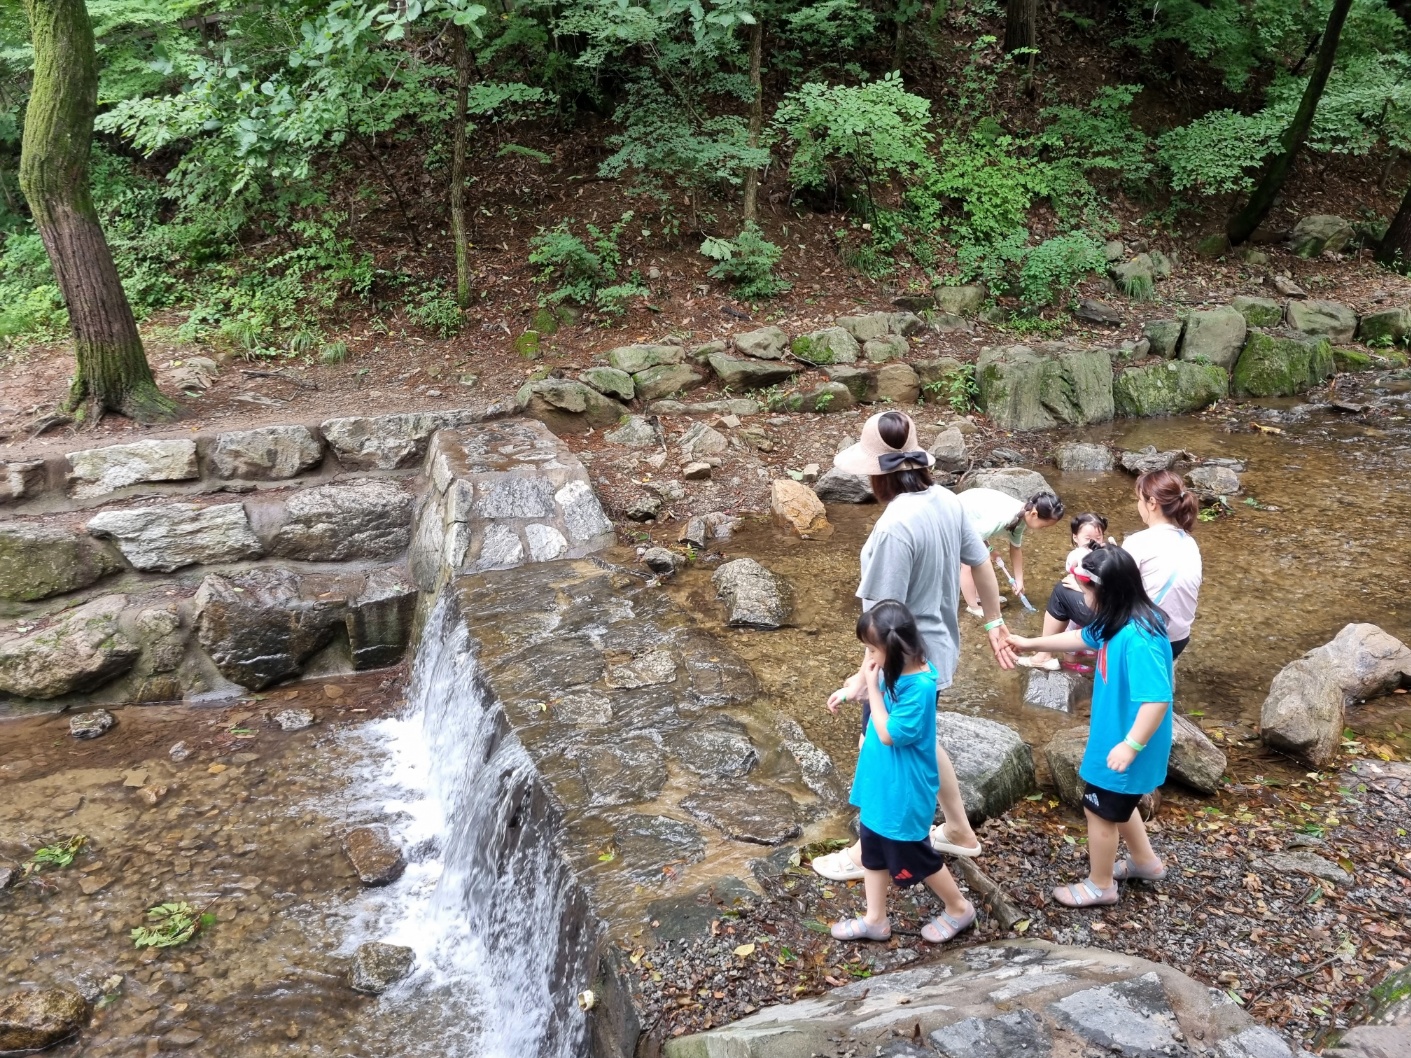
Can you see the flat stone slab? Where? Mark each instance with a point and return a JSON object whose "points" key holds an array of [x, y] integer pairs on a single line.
{"points": [[101, 471], [166, 538], [270, 453], [1002, 1000]]}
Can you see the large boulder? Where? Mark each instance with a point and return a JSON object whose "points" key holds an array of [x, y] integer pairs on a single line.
{"points": [[753, 596], [1214, 336], [1259, 312], [1080, 457], [838, 486], [745, 375], [610, 382], [897, 384], [861, 382], [1195, 760], [100, 471], [1020, 389], [1164, 336], [1303, 713], [260, 626], [798, 507], [963, 300], [1282, 363], [1325, 319], [33, 1019], [37, 561], [79, 650], [567, 407], [1388, 325], [166, 538], [831, 345], [994, 765], [887, 347], [766, 343], [1018, 482], [335, 523], [269, 453], [633, 358], [666, 380], [387, 442], [1321, 233], [1172, 388]]}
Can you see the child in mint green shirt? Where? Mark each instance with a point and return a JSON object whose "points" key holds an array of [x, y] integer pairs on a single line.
{"points": [[896, 782]]}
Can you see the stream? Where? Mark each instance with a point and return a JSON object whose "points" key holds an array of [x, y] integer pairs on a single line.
{"points": [[250, 824]]}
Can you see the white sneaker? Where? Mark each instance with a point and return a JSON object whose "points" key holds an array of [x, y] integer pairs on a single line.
{"points": [[975, 611], [838, 867]]}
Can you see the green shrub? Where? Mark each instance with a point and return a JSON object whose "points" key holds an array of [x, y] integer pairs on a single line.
{"points": [[333, 353], [1054, 267], [585, 274], [436, 310], [746, 263]]}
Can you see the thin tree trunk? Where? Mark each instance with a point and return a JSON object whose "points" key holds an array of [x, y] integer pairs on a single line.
{"points": [[1021, 25], [756, 118], [112, 369], [1394, 251], [460, 117], [1244, 223]]}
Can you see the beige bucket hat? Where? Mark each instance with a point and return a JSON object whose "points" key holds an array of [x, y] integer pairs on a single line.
{"points": [[872, 455]]}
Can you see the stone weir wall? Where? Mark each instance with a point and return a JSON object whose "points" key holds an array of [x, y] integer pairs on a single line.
{"points": [[184, 567], [665, 776]]}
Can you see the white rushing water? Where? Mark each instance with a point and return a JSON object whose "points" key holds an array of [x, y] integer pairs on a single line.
{"points": [[487, 902]]}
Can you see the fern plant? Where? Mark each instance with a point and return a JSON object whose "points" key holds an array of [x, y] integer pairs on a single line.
{"points": [[746, 262]]}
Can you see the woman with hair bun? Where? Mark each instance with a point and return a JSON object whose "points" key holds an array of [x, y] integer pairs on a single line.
{"points": [[1166, 553]]}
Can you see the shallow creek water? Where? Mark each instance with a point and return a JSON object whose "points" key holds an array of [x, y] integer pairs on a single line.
{"points": [[251, 822]]}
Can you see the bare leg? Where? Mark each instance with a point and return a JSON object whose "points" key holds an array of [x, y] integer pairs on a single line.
{"points": [[957, 827], [942, 883], [1138, 844], [1102, 847], [967, 586], [874, 884]]}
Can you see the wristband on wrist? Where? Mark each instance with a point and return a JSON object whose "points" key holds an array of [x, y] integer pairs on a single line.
{"points": [[990, 626], [1129, 740]]}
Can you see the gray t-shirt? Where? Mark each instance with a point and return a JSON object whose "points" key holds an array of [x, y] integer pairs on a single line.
{"points": [[914, 556]]}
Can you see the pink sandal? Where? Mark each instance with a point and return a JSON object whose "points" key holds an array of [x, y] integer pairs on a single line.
{"points": [[944, 927]]}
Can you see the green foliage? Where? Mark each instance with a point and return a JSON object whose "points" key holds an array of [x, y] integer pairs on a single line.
{"points": [[1054, 267], [746, 262], [1218, 152], [172, 924], [956, 388], [436, 310], [333, 353], [585, 274], [58, 855]]}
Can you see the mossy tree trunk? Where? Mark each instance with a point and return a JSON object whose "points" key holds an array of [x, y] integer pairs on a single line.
{"points": [[1244, 223], [458, 226], [112, 370], [751, 209], [1394, 251]]}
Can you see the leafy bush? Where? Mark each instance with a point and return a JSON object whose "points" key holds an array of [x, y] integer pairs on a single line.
{"points": [[1216, 154], [746, 262], [585, 274], [436, 310], [1055, 266]]}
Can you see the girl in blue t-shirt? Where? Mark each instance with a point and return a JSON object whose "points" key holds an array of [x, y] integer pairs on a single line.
{"points": [[1129, 736], [895, 785]]}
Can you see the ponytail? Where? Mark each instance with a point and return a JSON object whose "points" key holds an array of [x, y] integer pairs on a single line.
{"points": [[890, 627], [1164, 490], [1045, 504]]}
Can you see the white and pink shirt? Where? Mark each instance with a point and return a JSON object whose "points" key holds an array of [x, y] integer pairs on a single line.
{"points": [[1171, 569]]}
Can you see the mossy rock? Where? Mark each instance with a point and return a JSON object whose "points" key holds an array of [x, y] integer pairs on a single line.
{"points": [[1022, 390], [611, 381], [1164, 336], [1281, 364], [1389, 325], [38, 561], [545, 321], [827, 397], [1259, 312], [1175, 387], [831, 345], [1350, 360], [527, 345]]}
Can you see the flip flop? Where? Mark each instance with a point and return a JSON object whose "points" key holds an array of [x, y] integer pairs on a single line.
{"points": [[944, 927], [1051, 665], [1126, 869], [838, 867], [940, 843], [860, 929], [1085, 894]]}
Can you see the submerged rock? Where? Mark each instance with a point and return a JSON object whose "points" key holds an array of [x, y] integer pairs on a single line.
{"points": [[1086, 458], [1149, 460], [753, 596], [293, 719], [80, 650], [92, 724], [374, 854], [760, 815], [1303, 713], [33, 1019], [377, 966], [646, 844], [994, 765], [1212, 481]]}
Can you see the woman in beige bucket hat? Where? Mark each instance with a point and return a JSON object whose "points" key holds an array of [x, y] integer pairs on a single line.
{"points": [[914, 554]]}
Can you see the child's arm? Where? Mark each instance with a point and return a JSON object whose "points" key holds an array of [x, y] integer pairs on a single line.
{"points": [[1060, 643], [852, 690], [876, 700], [1016, 562], [1149, 718]]}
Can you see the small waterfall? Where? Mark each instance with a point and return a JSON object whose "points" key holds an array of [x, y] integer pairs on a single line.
{"points": [[502, 932]]}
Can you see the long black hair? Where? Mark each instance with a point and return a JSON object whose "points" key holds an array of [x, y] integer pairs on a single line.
{"points": [[890, 627], [1121, 598], [1045, 504]]}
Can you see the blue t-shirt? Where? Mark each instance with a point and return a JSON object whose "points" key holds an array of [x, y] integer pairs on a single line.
{"points": [[1133, 668], [895, 787]]}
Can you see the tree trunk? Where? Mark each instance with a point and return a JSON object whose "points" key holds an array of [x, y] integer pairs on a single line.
{"points": [[1021, 26], [458, 230], [1394, 251], [112, 369], [1243, 224], [756, 118]]}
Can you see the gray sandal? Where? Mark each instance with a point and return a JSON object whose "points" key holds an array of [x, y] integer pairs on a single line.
{"points": [[1126, 870], [944, 927], [860, 929]]}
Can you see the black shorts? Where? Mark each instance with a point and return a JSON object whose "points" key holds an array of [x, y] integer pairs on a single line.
{"points": [[1068, 605], [908, 862], [1108, 805], [1178, 646]]}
